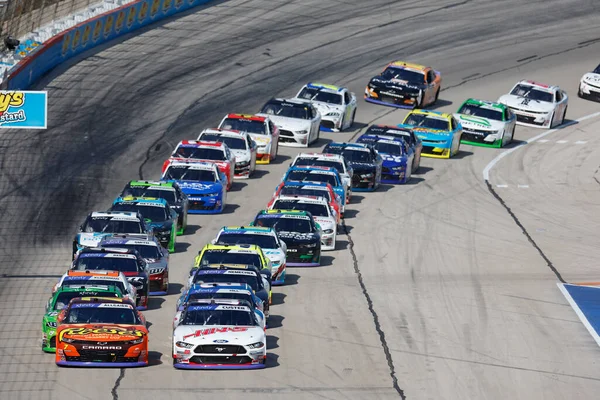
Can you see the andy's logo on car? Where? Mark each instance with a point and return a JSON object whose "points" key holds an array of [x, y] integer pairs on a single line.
{"points": [[100, 331], [8, 100]]}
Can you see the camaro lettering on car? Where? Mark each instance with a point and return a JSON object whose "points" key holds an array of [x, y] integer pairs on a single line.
{"points": [[102, 347], [212, 331]]}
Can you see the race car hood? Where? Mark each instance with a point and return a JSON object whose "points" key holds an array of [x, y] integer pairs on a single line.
{"points": [[90, 239], [102, 333], [290, 124], [219, 334], [274, 254], [298, 238], [326, 108], [199, 188], [390, 160], [325, 222], [524, 104], [591, 78], [161, 226], [469, 121], [241, 155], [155, 264], [397, 84], [261, 140], [433, 134]]}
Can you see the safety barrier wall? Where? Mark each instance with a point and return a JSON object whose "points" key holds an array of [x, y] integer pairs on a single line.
{"points": [[89, 34]]}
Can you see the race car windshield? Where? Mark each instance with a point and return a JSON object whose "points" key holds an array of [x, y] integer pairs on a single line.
{"points": [[251, 280], [357, 156], [302, 176], [424, 121], [202, 153], [106, 225], [195, 315], [320, 95], [300, 225], [264, 241], [189, 174], [403, 75], [388, 132], [233, 142], [208, 296], [145, 251], [63, 299], [301, 191], [394, 149], [311, 162], [529, 92], [244, 125], [289, 110], [85, 281], [106, 263], [140, 191], [317, 210], [477, 111], [227, 257], [153, 213], [101, 315]]}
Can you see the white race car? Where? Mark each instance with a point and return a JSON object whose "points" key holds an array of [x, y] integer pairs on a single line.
{"points": [[589, 86], [266, 238], [537, 105], [298, 121], [320, 210], [219, 336], [336, 104], [241, 145], [264, 132], [336, 161]]}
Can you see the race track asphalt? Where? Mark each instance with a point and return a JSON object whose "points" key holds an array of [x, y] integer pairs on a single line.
{"points": [[436, 290]]}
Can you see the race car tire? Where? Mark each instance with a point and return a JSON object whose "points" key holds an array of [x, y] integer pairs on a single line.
{"points": [[318, 135], [512, 134], [352, 120], [437, 95], [419, 102], [579, 92], [552, 120], [562, 120]]}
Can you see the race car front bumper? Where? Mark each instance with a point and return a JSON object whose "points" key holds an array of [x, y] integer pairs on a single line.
{"points": [[248, 359], [304, 255], [482, 138], [588, 91], [365, 181], [242, 170], [386, 98], [102, 364], [329, 124], [159, 284], [278, 275], [533, 119], [206, 205], [394, 175], [328, 241], [74, 356], [292, 139]]}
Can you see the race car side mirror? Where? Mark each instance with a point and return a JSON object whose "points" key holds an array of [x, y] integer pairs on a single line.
{"points": [[214, 241], [61, 316]]}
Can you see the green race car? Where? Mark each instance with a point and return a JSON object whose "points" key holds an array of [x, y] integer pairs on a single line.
{"points": [[61, 299], [486, 123]]}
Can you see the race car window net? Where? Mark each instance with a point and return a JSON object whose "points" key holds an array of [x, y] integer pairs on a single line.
{"points": [[286, 224], [140, 191], [63, 299], [308, 176], [218, 317], [187, 174], [234, 143], [234, 296], [529, 92], [403, 75], [395, 149], [476, 111], [145, 251], [106, 225], [322, 96], [300, 191], [289, 110], [200, 153], [100, 315], [264, 241], [319, 163], [244, 126], [153, 213], [317, 210], [106, 263], [251, 280], [225, 257], [423, 121]]}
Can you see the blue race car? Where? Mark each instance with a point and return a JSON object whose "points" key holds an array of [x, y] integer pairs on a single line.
{"points": [[398, 157], [440, 132], [365, 162], [204, 184], [403, 132], [318, 174]]}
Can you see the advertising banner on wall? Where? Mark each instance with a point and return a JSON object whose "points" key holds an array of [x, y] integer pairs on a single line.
{"points": [[23, 109]]}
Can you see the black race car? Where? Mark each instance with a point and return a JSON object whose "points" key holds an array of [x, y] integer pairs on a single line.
{"points": [[299, 231], [365, 162], [127, 261]]}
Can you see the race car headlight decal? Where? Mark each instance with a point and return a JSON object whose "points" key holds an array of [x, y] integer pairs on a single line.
{"points": [[310, 245], [257, 345], [184, 345], [367, 176], [399, 168], [51, 324], [302, 132], [333, 114], [328, 231], [67, 340], [242, 164], [275, 263], [136, 341], [154, 271]]}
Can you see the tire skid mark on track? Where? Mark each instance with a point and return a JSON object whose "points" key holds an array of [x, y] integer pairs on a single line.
{"points": [[378, 328], [115, 394]]}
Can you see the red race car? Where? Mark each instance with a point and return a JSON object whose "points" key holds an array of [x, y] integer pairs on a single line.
{"points": [[307, 188], [215, 152], [264, 132]]}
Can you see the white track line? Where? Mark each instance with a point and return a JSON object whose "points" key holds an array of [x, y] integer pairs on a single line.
{"points": [[488, 168], [579, 313]]}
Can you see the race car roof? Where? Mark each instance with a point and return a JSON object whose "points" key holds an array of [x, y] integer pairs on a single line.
{"points": [[242, 248], [107, 255], [196, 165], [247, 230], [321, 156], [226, 272], [91, 288], [293, 101], [116, 215], [308, 184], [200, 144], [213, 307], [93, 273], [250, 117], [226, 285], [277, 213], [537, 85], [142, 201], [302, 199], [324, 86], [159, 185], [383, 139], [411, 66], [223, 132], [486, 104], [315, 169], [431, 113], [349, 146], [128, 242], [200, 289], [395, 129]]}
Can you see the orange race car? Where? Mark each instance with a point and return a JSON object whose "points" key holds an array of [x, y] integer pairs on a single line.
{"points": [[101, 332], [404, 85]]}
